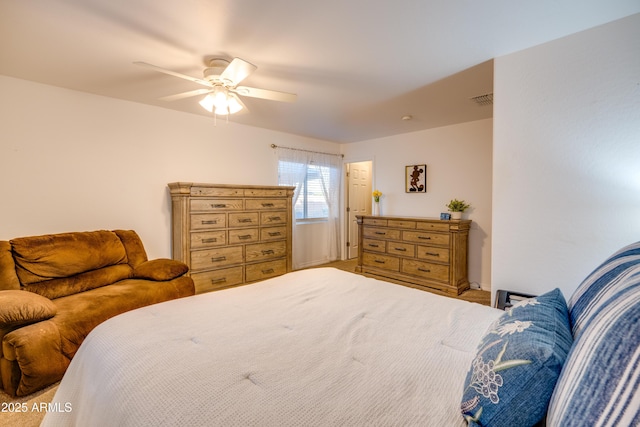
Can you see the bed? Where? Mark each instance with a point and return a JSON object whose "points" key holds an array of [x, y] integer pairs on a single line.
{"points": [[324, 347]]}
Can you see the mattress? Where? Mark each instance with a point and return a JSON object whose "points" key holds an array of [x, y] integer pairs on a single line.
{"points": [[318, 347]]}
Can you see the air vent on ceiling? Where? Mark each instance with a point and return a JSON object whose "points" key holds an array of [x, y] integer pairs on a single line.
{"points": [[486, 99]]}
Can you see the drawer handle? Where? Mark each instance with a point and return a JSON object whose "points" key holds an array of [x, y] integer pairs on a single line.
{"points": [[379, 261], [244, 220], [424, 237], [210, 240], [274, 233], [244, 237], [267, 271], [401, 249], [219, 205], [424, 270], [268, 205], [216, 281], [382, 233], [275, 218], [374, 246], [268, 252], [212, 221], [220, 258], [432, 254]]}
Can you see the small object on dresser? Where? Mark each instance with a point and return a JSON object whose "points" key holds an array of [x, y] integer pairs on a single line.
{"points": [[506, 299], [445, 216]]}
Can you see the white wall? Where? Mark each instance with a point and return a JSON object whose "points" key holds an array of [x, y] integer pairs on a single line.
{"points": [[566, 187], [459, 165], [73, 161]]}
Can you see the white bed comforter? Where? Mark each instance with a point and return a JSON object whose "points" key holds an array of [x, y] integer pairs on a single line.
{"points": [[318, 347]]}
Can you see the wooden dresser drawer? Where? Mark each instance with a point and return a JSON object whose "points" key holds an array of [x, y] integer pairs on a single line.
{"points": [[433, 226], [375, 221], [217, 279], [402, 249], [206, 221], [273, 218], [263, 251], [273, 233], [243, 235], [261, 192], [244, 219], [216, 191], [213, 258], [397, 223], [381, 261], [426, 237], [212, 205], [264, 270], [206, 239], [433, 253], [381, 232], [425, 269], [374, 245], [259, 204]]}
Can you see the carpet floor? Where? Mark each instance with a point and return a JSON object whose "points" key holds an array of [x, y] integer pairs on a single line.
{"points": [[27, 411]]}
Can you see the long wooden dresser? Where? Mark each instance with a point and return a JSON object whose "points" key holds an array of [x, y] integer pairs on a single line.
{"points": [[229, 235], [418, 252]]}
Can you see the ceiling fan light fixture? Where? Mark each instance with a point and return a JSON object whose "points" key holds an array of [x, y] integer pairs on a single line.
{"points": [[234, 104], [207, 103], [221, 101], [220, 96]]}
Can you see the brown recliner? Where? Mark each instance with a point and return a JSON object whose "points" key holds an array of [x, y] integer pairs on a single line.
{"points": [[54, 289]]}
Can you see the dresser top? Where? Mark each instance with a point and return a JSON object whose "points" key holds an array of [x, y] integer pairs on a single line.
{"points": [[186, 187], [415, 218], [406, 223]]}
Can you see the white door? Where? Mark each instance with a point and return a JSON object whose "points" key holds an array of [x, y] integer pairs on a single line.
{"points": [[358, 201]]}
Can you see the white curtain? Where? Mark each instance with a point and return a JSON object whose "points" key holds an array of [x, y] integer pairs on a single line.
{"points": [[298, 164]]}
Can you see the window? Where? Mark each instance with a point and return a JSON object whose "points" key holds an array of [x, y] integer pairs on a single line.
{"points": [[313, 179], [317, 180]]}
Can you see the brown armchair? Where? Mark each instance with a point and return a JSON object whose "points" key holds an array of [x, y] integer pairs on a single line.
{"points": [[54, 289]]}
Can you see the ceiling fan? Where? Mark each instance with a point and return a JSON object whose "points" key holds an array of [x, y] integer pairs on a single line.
{"points": [[221, 79]]}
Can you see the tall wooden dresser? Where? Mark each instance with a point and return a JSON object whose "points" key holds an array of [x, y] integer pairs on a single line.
{"points": [[229, 235], [418, 252]]}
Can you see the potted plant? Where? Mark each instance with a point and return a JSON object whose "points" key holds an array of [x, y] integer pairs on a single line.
{"points": [[456, 207]]}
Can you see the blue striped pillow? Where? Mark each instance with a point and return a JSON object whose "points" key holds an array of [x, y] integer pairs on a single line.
{"points": [[600, 380], [601, 284]]}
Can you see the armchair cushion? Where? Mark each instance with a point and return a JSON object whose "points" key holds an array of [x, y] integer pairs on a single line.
{"points": [[8, 278], [53, 256], [160, 269], [22, 307]]}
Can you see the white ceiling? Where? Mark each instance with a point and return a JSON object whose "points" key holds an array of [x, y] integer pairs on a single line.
{"points": [[357, 66]]}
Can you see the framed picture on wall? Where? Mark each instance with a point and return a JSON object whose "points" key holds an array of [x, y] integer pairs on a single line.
{"points": [[416, 179]]}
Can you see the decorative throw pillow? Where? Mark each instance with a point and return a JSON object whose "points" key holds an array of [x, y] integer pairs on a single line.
{"points": [[599, 383], [23, 307], [517, 364], [601, 284], [160, 269]]}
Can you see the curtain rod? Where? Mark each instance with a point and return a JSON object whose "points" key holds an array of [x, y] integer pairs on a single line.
{"points": [[308, 151]]}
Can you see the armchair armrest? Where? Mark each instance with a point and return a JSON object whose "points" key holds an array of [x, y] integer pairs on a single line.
{"points": [[19, 308], [160, 269]]}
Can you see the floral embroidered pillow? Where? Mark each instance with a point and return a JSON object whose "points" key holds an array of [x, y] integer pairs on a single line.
{"points": [[518, 362]]}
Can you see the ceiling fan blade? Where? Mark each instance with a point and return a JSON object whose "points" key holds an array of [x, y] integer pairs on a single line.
{"points": [[237, 71], [173, 73], [265, 94], [185, 94]]}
